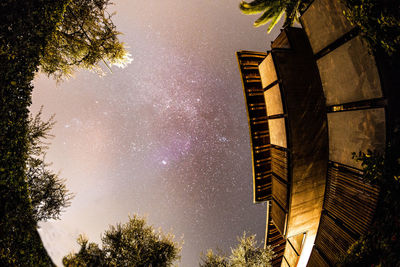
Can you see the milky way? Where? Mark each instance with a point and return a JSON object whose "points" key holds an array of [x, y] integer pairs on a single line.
{"points": [[166, 137]]}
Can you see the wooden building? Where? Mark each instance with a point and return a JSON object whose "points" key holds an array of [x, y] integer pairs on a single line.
{"points": [[290, 94], [312, 100], [356, 115]]}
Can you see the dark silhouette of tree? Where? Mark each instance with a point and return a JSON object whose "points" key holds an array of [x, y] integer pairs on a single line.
{"points": [[24, 30], [131, 244], [379, 23], [246, 254], [47, 191], [33, 35]]}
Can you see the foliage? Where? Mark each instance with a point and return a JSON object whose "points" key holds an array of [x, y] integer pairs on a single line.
{"points": [[380, 246], [24, 30], [47, 191], [246, 254], [372, 164], [28, 38], [379, 22], [272, 11], [130, 244], [210, 259], [89, 255], [85, 36]]}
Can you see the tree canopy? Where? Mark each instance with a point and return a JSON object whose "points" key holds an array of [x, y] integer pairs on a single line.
{"points": [[85, 37], [131, 244], [246, 254]]}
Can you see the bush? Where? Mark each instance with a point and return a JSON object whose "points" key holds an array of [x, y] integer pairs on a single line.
{"points": [[379, 22]]}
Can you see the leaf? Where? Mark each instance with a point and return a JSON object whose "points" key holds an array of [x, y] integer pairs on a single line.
{"points": [[274, 21]]}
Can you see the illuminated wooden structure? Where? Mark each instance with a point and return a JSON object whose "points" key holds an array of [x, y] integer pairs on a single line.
{"points": [[258, 124], [356, 115], [298, 135], [318, 98], [292, 100]]}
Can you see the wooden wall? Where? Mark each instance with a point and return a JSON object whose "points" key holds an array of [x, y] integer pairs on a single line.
{"points": [[356, 121], [299, 142]]}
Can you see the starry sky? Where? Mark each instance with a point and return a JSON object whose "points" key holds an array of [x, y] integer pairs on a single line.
{"points": [[166, 137]]}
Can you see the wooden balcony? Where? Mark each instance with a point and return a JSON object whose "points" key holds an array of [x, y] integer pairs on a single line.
{"points": [[258, 123]]}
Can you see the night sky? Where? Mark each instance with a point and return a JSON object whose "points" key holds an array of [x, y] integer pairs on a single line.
{"points": [[166, 137]]}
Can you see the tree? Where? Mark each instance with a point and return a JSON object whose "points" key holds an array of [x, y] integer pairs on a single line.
{"points": [[24, 30], [379, 23], [273, 10], [89, 255], [47, 191], [130, 244], [246, 254], [210, 259], [85, 36]]}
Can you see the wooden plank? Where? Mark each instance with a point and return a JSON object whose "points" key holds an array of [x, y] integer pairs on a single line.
{"points": [[316, 260], [349, 198], [332, 240], [297, 242], [291, 255], [277, 242], [278, 216], [285, 263], [281, 41], [279, 162], [280, 192]]}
